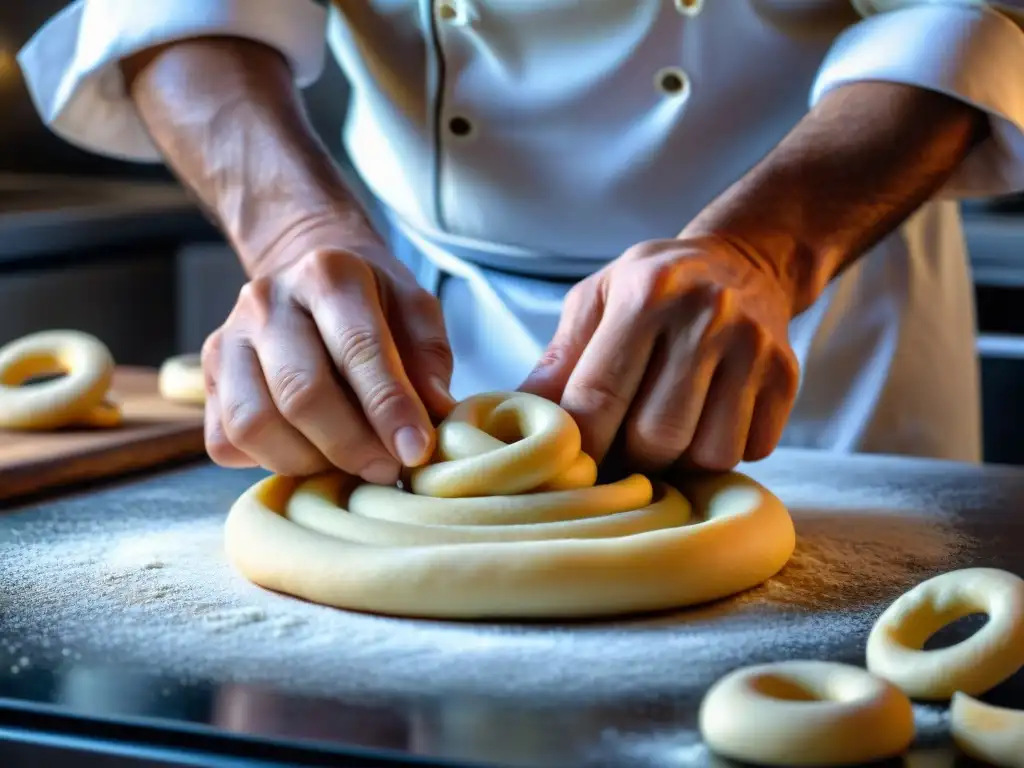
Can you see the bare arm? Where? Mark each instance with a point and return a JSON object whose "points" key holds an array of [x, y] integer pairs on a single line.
{"points": [[333, 355], [851, 171], [226, 115]]}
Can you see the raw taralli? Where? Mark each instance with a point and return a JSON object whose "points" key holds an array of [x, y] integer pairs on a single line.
{"points": [[806, 713], [985, 732], [77, 398], [181, 380], [506, 523], [982, 661]]}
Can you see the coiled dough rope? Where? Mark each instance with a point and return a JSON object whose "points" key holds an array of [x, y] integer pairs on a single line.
{"points": [[506, 522], [76, 399]]}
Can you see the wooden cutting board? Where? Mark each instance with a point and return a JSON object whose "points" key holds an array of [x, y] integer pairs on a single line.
{"points": [[154, 432]]}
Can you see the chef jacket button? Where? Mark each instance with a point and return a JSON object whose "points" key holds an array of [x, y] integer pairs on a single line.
{"points": [[689, 7], [460, 126], [672, 81]]}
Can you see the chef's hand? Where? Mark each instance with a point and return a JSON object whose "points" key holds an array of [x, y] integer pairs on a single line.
{"points": [[678, 351], [335, 358]]}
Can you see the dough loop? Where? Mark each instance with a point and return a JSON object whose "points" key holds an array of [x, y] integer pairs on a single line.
{"points": [[992, 734], [506, 522], [982, 661], [805, 713], [181, 380], [75, 399]]}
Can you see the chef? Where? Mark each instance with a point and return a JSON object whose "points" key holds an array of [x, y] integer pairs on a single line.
{"points": [[705, 227]]}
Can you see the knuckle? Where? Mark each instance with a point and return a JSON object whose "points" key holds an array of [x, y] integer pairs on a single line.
{"points": [[753, 337], [322, 270], [295, 391], [384, 398], [258, 292], [647, 249], [715, 458], [659, 286], [556, 354], [437, 352], [209, 357], [243, 423], [358, 346], [580, 295], [649, 448], [223, 453], [784, 372], [599, 394], [423, 305]]}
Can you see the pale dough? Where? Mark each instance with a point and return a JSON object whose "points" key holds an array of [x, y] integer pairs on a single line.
{"points": [[982, 661], [181, 380], [805, 713], [75, 399], [984, 732], [506, 523]]}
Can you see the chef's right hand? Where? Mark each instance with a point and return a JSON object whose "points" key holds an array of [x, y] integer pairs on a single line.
{"points": [[336, 358]]}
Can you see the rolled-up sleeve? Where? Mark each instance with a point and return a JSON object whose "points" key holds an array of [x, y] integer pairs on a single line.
{"points": [[970, 50], [71, 65]]}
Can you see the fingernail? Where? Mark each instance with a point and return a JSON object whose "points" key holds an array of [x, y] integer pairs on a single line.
{"points": [[380, 472], [411, 445]]}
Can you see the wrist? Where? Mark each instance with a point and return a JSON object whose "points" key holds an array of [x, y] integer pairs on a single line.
{"points": [[227, 117], [283, 240], [793, 262]]}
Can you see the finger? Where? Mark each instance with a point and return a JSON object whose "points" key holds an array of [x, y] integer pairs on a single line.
{"points": [[606, 379], [669, 403], [301, 380], [724, 425], [581, 314], [251, 420], [219, 448], [772, 407], [346, 309], [423, 344]]}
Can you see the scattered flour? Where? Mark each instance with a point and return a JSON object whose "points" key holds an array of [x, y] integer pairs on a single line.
{"points": [[147, 585], [180, 608]]}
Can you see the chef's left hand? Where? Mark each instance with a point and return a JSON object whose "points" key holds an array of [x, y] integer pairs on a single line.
{"points": [[678, 352]]}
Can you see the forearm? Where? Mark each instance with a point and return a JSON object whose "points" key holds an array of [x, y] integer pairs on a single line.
{"points": [[852, 170], [227, 117]]}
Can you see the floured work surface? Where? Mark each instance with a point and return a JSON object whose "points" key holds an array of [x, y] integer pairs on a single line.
{"points": [[154, 432], [135, 575]]}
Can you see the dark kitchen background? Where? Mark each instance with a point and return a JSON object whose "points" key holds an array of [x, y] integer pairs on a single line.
{"points": [[119, 250]]}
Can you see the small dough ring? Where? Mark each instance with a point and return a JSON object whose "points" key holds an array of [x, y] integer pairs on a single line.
{"points": [[982, 661], [181, 380], [805, 713], [75, 399], [550, 545], [992, 734]]}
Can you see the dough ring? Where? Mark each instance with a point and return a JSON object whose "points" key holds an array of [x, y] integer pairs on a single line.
{"points": [[805, 713], [982, 661], [181, 380], [75, 399], [991, 734], [506, 523]]}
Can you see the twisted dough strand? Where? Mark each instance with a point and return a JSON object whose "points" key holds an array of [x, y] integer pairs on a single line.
{"points": [[507, 522]]}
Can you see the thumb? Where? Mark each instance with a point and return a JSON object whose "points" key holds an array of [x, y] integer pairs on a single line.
{"points": [[425, 350], [580, 318]]}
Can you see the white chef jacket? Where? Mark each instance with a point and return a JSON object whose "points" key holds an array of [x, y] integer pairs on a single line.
{"points": [[516, 145]]}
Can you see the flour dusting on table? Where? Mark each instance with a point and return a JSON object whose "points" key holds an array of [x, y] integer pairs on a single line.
{"points": [[147, 584]]}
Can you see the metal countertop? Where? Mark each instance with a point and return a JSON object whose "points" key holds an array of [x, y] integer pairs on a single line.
{"points": [[95, 625]]}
